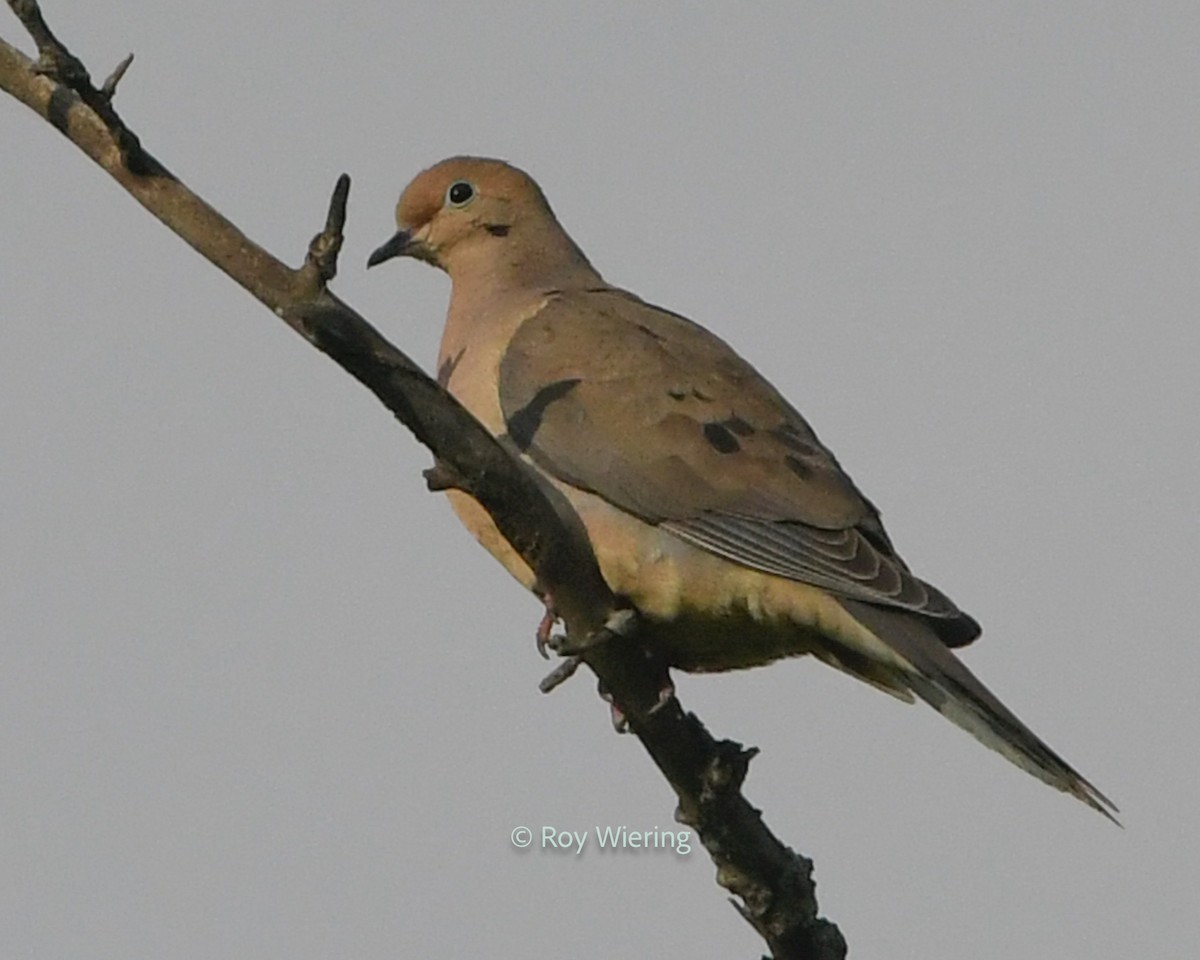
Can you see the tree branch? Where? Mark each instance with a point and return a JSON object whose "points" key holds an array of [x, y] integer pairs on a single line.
{"points": [[773, 883]]}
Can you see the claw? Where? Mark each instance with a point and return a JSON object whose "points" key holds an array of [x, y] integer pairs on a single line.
{"points": [[619, 721], [545, 639], [665, 694]]}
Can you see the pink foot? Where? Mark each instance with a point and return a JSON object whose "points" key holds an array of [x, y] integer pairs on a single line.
{"points": [[545, 630]]}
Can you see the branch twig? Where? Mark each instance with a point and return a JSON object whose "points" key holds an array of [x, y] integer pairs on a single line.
{"points": [[773, 883]]}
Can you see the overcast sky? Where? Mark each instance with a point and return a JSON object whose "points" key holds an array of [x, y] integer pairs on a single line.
{"points": [[260, 696]]}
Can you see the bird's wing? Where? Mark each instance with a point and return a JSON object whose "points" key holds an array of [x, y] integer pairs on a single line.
{"points": [[662, 419]]}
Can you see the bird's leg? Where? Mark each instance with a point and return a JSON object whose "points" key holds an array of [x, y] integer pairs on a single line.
{"points": [[548, 640], [621, 622], [666, 692], [619, 721]]}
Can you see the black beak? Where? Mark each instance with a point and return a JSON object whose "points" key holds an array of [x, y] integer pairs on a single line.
{"points": [[396, 247]]}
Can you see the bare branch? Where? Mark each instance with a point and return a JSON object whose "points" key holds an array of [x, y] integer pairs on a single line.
{"points": [[773, 883], [321, 263], [108, 89]]}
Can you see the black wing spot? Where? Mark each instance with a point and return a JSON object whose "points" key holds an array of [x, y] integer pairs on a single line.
{"points": [[676, 394], [798, 467], [523, 424], [720, 438], [650, 333], [446, 370], [497, 229]]}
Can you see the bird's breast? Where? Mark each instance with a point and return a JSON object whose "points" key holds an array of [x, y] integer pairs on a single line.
{"points": [[701, 612]]}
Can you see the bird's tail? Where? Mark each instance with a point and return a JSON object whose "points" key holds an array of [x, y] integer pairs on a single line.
{"points": [[939, 678]]}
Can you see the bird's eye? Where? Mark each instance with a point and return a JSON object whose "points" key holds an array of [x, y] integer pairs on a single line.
{"points": [[460, 193]]}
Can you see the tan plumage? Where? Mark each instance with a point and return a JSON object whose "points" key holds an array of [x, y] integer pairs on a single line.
{"points": [[709, 501]]}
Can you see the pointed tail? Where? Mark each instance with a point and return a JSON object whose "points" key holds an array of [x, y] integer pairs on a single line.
{"points": [[941, 680]]}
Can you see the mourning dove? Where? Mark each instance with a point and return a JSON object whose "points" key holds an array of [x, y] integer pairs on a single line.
{"points": [[711, 505]]}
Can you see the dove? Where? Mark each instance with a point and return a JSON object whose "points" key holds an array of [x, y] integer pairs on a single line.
{"points": [[712, 507]]}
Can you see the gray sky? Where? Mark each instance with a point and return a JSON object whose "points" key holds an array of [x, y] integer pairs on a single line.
{"points": [[262, 697]]}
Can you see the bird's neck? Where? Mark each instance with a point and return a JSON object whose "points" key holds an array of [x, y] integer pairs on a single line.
{"points": [[519, 263], [497, 283]]}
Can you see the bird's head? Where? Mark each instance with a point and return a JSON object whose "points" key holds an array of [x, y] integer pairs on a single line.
{"points": [[468, 212], [458, 204]]}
